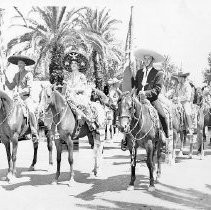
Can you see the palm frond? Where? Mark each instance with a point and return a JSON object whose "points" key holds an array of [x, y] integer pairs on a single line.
{"points": [[21, 15]]}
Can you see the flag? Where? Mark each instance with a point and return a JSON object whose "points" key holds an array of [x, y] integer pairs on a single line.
{"points": [[128, 60]]}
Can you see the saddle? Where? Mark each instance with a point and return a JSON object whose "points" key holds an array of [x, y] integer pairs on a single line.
{"points": [[87, 117], [153, 113]]}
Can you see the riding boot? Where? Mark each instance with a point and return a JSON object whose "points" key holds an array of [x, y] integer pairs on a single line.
{"points": [[124, 143]]}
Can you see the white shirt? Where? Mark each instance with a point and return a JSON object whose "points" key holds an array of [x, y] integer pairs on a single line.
{"points": [[146, 73]]}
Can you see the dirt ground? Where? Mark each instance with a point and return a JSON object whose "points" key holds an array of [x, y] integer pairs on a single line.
{"points": [[184, 185]]}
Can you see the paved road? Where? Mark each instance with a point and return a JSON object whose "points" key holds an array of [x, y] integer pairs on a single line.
{"points": [[185, 185]]}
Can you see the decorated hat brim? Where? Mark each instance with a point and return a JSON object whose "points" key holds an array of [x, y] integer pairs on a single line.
{"points": [[79, 58], [15, 58]]}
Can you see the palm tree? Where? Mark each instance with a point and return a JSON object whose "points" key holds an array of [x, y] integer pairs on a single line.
{"points": [[2, 48], [97, 29], [48, 28]]}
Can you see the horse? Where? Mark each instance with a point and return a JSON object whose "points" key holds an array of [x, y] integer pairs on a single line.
{"points": [[13, 125], [178, 116], [137, 122], [204, 122], [64, 128]]}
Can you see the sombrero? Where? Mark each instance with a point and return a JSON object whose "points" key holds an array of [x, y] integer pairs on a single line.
{"points": [[181, 74], [158, 66], [79, 58], [140, 53], [15, 58], [113, 81]]}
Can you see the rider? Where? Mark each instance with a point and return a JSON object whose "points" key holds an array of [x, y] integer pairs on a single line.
{"points": [[149, 82], [22, 81], [77, 90], [184, 96], [114, 94]]}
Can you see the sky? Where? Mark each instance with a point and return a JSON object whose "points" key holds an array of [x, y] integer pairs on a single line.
{"points": [[180, 29]]}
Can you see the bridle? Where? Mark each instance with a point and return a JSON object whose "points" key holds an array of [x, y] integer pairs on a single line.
{"points": [[137, 119]]}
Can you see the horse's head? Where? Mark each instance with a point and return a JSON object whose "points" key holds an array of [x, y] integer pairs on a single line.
{"points": [[126, 110], [46, 98]]}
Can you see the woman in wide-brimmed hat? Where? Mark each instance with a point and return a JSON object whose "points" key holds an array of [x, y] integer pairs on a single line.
{"points": [[23, 81], [77, 90]]}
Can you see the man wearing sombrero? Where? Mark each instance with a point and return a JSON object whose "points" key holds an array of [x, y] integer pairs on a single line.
{"points": [[148, 82], [22, 81], [184, 96]]}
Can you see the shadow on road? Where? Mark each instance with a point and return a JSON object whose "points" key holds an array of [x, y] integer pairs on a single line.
{"points": [[111, 184], [190, 197], [122, 205]]}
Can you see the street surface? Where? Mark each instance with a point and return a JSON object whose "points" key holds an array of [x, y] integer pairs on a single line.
{"points": [[184, 185]]}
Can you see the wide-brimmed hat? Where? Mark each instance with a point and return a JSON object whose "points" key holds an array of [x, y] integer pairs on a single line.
{"points": [[79, 58], [113, 81], [182, 74], [140, 53], [15, 58]]}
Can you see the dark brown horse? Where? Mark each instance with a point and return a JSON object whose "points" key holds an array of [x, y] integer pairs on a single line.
{"points": [[13, 125], [64, 128], [136, 122]]}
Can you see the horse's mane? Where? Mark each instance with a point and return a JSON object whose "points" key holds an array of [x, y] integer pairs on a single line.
{"points": [[59, 94], [7, 101]]}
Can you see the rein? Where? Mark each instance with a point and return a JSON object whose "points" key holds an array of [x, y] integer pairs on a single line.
{"points": [[136, 124], [134, 138]]}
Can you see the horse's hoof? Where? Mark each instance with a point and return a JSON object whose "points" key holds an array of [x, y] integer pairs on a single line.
{"points": [[201, 156], [190, 156], [151, 188], [9, 177], [55, 182], [130, 188], [72, 183], [50, 168], [95, 172], [157, 179], [31, 168]]}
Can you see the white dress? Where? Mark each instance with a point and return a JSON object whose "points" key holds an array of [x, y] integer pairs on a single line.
{"points": [[77, 88]]}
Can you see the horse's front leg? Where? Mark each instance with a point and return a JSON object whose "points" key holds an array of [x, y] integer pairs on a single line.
{"points": [[34, 161], [98, 154], [58, 158], [191, 146], [150, 165], [50, 146], [182, 137], [70, 160], [14, 140], [133, 170], [111, 131], [158, 152], [9, 158]]}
